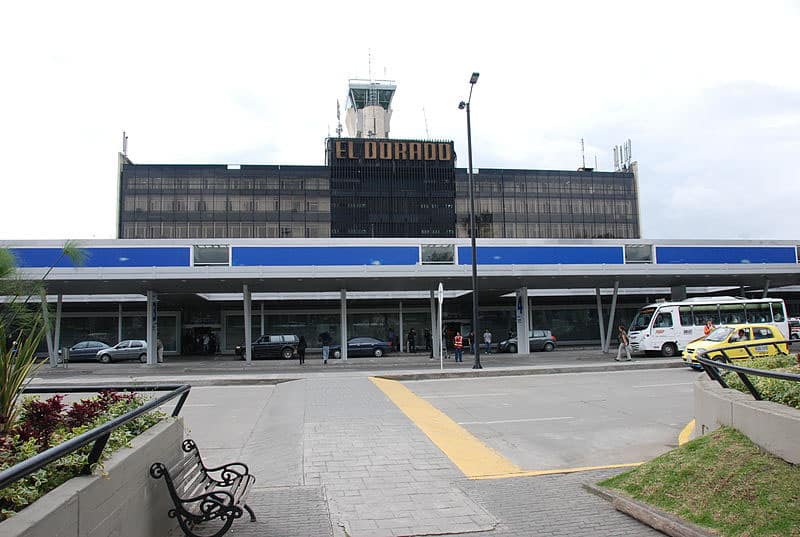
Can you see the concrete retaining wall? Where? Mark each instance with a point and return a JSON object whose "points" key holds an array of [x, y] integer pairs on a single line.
{"points": [[123, 502], [774, 427]]}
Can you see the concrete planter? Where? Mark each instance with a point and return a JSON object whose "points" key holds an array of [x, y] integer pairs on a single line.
{"points": [[774, 427], [123, 502]]}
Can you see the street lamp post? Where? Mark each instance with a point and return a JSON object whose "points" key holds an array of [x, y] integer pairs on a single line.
{"points": [[472, 232]]}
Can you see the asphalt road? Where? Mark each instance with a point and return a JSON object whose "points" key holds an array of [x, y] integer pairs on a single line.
{"points": [[546, 422]]}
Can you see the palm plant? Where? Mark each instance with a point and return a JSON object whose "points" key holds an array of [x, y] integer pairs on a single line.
{"points": [[21, 329]]}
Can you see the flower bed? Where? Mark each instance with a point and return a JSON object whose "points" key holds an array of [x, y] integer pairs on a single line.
{"points": [[44, 423], [785, 392]]}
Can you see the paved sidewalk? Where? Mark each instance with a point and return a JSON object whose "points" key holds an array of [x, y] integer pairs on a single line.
{"points": [[335, 457]]}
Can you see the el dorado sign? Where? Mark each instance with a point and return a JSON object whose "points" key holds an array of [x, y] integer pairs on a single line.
{"points": [[346, 149]]}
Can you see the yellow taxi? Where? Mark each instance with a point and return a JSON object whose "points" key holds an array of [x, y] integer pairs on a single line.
{"points": [[738, 339]]}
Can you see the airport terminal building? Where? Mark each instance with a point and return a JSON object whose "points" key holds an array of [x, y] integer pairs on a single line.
{"points": [[357, 246]]}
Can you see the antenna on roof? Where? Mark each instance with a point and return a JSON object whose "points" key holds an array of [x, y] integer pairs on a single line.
{"points": [[425, 117], [583, 155], [339, 120], [124, 144], [595, 162], [369, 60]]}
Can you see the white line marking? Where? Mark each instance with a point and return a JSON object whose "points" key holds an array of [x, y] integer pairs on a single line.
{"points": [[514, 421], [463, 395], [659, 385]]}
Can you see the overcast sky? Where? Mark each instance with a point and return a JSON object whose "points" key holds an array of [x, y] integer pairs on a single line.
{"points": [[708, 92]]}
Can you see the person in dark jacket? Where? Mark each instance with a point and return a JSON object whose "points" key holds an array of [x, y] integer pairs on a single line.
{"points": [[301, 349]]}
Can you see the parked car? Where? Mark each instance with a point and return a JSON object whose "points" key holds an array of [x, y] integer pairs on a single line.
{"points": [[128, 349], [271, 346], [363, 346], [85, 350], [540, 340], [728, 336]]}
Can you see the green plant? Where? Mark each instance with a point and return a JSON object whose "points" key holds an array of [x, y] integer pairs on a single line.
{"points": [[51, 422], [22, 328], [785, 392]]}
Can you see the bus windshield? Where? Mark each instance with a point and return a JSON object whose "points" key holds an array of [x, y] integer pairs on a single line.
{"points": [[642, 319], [719, 334]]}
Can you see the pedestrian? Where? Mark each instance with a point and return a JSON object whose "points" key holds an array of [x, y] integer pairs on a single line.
{"points": [[206, 342], [160, 351], [412, 340], [458, 343], [325, 340], [708, 328], [428, 343], [301, 349], [487, 339], [212, 343], [471, 341], [624, 343]]}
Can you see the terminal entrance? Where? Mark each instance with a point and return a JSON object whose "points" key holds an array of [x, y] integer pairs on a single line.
{"points": [[201, 339]]}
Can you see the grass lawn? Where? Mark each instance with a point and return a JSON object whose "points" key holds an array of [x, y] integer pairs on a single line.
{"points": [[720, 481]]}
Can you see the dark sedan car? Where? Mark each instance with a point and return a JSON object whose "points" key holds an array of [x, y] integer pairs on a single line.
{"points": [[271, 346], [84, 350], [362, 346], [540, 340]]}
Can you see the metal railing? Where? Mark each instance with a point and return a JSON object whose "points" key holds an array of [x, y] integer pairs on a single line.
{"points": [[721, 360], [99, 435]]}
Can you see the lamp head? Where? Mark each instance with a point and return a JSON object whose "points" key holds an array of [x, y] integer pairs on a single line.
{"points": [[462, 105], [474, 78]]}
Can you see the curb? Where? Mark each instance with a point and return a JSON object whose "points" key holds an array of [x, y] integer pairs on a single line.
{"points": [[472, 373], [647, 514]]}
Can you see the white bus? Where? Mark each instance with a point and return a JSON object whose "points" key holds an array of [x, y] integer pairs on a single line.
{"points": [[667, 327]]}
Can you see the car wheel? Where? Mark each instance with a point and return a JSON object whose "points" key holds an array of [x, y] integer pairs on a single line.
{"points": [[795, 336], [512, 348], [549, 347], [669, 350], [378, 353], [287, 353], [337, 354], [143, 358], [105, 359]]}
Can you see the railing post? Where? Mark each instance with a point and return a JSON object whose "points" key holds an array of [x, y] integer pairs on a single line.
{"points": [[94, 456]]}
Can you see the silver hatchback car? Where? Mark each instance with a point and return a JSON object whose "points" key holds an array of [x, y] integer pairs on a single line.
{"points": [[128, 349]]}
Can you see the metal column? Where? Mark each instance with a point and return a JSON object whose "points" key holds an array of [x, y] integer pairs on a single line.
{"points": [[766, 289], [523, 343], [436, 346], [152, 328], [58, 322], [48, 332], [611, 315], [262, 318], [343, 321], [600, 319], [248, 325], [402, 336], [119, 322]]}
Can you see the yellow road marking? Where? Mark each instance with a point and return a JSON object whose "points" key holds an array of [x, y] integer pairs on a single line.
{"points": [[474, 458], [686, 433], [530, 473]]}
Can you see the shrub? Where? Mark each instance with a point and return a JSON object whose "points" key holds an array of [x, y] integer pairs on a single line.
{"points": [[786, 392], [51, 422]]}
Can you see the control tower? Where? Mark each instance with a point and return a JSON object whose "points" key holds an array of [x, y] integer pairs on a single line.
{"points": [[369, 108]]}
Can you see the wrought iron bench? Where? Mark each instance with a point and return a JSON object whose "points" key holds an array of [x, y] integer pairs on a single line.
{"points": [[207, 500]]}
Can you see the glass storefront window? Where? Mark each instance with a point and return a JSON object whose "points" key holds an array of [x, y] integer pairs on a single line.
{"points": [[438, 254]]}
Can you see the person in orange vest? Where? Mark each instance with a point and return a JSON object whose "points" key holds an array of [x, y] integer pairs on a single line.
{"points": [[458, 343]]}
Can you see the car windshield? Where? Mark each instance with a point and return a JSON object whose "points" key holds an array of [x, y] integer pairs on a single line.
{"points": [[720, 334], [642, 319]]}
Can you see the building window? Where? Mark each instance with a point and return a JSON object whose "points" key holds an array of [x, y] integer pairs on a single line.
{"points": [[438, 254], [206, 255], [638, 253]]}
